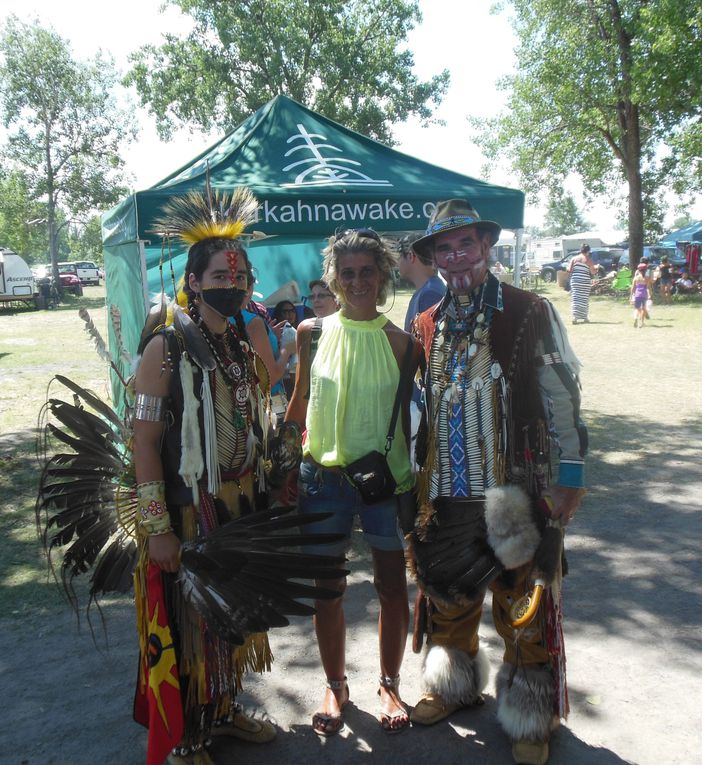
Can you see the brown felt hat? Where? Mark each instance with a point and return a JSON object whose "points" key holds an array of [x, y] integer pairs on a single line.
{"points": [[452, 214]]}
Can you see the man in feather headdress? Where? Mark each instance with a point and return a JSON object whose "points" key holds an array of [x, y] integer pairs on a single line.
{"points": [[501, 385]]}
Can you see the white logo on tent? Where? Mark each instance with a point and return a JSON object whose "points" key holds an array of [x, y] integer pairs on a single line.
{"points": [[324, 171]]}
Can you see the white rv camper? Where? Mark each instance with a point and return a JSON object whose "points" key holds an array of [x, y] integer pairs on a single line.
{"points": [[16, 280]]}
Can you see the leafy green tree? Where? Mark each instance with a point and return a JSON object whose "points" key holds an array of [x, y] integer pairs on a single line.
{"points": [[347, 59], [64, 129], [19, 213], [602, 87], [85, 243], [682, 221], [562, 215]]}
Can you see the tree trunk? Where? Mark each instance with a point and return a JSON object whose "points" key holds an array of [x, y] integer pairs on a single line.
{"points": [[51, 212], [633, 174]]}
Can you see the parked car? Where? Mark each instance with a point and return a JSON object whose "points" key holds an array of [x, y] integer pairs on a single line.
{"points": [[605, 259], [654, 253], [67, 274], [86, 270], [549, 270]]}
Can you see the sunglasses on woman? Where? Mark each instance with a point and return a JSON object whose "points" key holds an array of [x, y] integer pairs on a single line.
{"points": [[366, 233]]}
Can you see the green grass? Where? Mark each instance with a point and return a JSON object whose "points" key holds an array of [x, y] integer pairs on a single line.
{"points": [[35, 345], [640, 396]]}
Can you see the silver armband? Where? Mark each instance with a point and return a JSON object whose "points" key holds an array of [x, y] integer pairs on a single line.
{"points": [[548, 359], [149, 408]]}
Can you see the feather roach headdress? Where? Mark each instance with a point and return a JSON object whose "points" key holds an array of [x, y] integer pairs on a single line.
{"points": [[208, 214]]}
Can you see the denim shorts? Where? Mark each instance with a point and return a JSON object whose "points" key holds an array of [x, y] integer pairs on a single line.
{"points": [[327, 491]]}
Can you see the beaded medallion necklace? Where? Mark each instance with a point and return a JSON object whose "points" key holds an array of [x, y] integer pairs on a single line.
{"points": [[234, 358], [459, 336]]}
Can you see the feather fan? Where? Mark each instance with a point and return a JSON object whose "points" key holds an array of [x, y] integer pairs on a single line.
{"points": [[240, 578]]}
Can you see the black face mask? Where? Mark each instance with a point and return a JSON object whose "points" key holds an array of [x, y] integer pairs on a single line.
{"points": [[227, 301]]}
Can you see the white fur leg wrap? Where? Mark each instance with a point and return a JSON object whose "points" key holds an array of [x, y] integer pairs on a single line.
{"points": [[525, 709], [511, 531], [455, 675]]}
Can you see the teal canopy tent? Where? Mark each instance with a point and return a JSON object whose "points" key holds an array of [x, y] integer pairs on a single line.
{"points": [[312, 177], [691, 233]]}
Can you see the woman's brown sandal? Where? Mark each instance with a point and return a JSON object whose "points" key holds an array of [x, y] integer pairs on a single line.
{"points": [[325, 724], [393, 722]]}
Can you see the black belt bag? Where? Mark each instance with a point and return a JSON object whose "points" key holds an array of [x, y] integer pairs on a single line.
{"points": [[372, 477], [371, 474]]}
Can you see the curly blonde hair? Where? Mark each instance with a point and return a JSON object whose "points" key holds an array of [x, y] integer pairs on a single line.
{"points": [[354, 242]]}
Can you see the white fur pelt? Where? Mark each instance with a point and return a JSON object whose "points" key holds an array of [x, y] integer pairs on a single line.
{"points": [[211, 452], [455, 675], [191, 462], [511, 531], [525, 709]]}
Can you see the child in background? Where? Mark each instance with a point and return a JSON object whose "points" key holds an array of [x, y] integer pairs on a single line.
{"points": [[640, 293]]}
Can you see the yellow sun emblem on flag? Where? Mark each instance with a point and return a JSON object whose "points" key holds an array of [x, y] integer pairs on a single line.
{"points": [[160, 664]]}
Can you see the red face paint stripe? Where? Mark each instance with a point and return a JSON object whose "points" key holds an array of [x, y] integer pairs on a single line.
{"points": [[233, 260]]}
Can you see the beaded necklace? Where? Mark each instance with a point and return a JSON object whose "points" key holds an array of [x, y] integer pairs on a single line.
{"points": [[460, 336], [234, 358]]}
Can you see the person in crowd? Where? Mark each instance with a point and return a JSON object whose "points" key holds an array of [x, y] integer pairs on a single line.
{"points": [[581, 270], [285, 311], [268, 347], [665, 280], [323, 301], [285, 326], [429, 289], [501, 381], [357, 358], [178, 501], [640, 293], [686, 285]]}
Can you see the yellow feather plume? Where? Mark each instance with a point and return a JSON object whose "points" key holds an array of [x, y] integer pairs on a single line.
{"points": [[197, 216]]}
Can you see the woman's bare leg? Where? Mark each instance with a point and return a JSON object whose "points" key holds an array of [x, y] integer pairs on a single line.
{"points": [[330, 628], [391, 584]]}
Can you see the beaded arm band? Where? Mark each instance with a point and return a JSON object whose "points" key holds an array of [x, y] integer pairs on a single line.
{"points": [[153, 515]]}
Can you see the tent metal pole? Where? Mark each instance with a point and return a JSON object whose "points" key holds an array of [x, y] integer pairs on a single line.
{"points": [[518, 256], [144, 277]]}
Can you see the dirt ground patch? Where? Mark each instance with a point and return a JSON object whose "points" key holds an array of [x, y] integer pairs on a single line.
{"points": [[633, 598]]}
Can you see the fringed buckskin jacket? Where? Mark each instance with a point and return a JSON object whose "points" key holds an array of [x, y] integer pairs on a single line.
{"points": [[505, 377]]}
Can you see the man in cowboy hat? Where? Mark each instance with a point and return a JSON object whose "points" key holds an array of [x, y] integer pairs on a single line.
{"points": [[502, 393]]}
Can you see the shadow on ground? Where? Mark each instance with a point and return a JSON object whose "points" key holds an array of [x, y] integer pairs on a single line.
{"points": [[634, 584]]}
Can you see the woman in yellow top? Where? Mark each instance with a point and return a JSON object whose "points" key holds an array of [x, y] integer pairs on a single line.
{"points": [[345, 397]]}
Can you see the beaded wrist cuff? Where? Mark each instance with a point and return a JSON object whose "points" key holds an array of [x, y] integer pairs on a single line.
{"points": [[153, 515]]}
